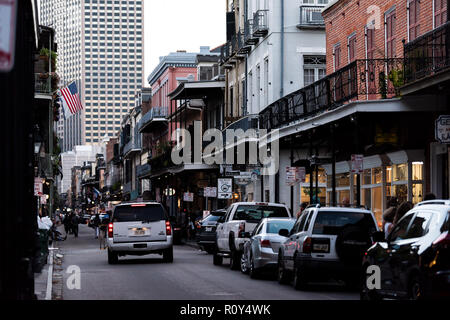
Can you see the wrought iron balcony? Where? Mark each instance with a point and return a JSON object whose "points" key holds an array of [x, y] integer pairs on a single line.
{"points": [[249, 38], [131, 147], [244, 124], [42, 84], [311, 17], [143, 170], [260, 23], [360, 80], [428, 55], [155, 114]]}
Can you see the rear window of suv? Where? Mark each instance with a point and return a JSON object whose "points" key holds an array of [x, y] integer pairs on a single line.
{"points": [[146, 213], [332, 222], [256, 213]]}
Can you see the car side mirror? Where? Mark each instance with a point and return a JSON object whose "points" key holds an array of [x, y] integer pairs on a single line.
{"points": [[284, 232], [378, 236]]}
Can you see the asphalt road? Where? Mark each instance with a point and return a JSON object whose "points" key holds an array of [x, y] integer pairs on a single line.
{"points": [[192, 276]]}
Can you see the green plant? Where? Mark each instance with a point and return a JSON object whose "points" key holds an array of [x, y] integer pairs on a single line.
{"points": [[382, 84], [397, 79]]}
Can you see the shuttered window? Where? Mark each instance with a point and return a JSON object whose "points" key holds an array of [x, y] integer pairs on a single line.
{"points": [[414, 20]]}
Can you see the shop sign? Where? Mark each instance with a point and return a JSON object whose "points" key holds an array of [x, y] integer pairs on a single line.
{"points": [[357, 163], [8, 13], [210, 192], [225, 188], [295, 175], [38, 187], [188, 197], [443, 129]]}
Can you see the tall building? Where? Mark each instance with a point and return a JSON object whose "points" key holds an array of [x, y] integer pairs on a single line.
{"points": [[101, 48]]}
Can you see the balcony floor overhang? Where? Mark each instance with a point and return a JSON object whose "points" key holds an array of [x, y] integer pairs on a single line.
{"points": [[185, 167], [427, 83], [405, 104], [197, 90], [155, 124]]}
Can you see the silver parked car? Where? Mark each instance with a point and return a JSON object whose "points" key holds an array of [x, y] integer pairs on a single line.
{"points": [[261, 248]]}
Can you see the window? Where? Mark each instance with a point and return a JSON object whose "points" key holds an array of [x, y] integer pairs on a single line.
{"points": [[399, 231], [390, 34], [419, 226], [351, 48], [440, 12], [314, 68], [337, 56], [414, 20]]}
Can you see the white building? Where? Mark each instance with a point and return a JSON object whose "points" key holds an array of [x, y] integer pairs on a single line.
{"points": [[100, 46], [288, 53]]}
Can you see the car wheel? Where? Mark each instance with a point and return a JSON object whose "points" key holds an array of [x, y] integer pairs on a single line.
{"points": [[168, 255], [113, 257], [300, 281], [217, 260], [244, 268], [283, 277], [235, 260], [253, 271], [415, 288]]}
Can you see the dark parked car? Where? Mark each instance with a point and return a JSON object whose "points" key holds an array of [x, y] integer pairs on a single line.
{"points": [[414, 260], [206, 234]]}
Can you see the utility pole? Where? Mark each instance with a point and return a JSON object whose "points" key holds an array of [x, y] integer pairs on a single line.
{"points": [[50, 129]]}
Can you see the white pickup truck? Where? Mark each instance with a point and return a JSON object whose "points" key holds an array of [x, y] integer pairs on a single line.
{"points": [[242, 217]]}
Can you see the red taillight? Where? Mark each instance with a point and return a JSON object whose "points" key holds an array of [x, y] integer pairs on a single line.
{"points": [[265, 244], [168, 228], [110, 230], [241, 230], [307, 245], [444, 239]]}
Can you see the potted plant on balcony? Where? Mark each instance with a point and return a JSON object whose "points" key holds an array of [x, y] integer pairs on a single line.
{"points": [[397, 79]]}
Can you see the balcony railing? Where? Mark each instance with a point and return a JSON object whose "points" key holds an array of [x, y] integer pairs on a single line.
{"points": [[154, 113], [131, 146], [311, 17], [260, 23], [143, 170], [42, 84], [427, 55], [360, 80], [244, 124], [249, 38]]}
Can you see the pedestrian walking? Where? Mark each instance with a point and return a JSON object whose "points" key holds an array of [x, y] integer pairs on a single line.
{"points": [[75, 222], [96, 224], [67, 223], [389, 215], [402, 210]]}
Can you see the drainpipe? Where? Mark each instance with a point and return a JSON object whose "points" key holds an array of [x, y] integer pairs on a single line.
{"points": [[282, 51]]}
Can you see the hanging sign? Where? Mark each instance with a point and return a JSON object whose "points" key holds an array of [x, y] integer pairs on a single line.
{"points": [[8, 13], [443, 129], [38, 187], [224, 188], [188, 197], [357, 163], [210, 192]]}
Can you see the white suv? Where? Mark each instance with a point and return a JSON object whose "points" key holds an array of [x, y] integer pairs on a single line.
{"points": [[139, 228], [326, 242], [242, 217]]}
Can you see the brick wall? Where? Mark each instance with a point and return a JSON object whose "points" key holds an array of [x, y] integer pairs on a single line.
{"points": [[349, 16]]}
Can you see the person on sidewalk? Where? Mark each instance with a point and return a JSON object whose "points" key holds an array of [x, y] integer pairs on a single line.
{"points": [[96, 224], [75, 222]]}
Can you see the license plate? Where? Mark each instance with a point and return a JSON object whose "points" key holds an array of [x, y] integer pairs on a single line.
{"points": [[208, 229], [139, 232], [320, 247]]}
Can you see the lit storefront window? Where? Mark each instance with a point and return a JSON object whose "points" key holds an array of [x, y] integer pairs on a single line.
{"points": [[305, 192]]}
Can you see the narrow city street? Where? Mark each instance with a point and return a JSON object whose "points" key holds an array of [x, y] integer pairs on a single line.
{"points": [[192, 276]]}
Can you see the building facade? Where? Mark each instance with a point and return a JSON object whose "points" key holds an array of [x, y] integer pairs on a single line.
{"points": [[102, 50]]}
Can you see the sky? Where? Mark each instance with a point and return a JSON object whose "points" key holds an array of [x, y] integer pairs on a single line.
{"points": [[172, 25]]}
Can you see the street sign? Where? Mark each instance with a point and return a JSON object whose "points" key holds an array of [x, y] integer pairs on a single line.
{"points": [[188, 197], [357, 163], [225, 188], [38, 187], [8, 13], [295, 175], [443, 129], [210, 192]]}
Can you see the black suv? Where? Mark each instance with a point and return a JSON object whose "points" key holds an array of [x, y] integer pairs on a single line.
{"points": [[206, 234], [414, 260]]}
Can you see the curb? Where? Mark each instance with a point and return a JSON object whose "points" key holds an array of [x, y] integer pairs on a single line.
{"points": [[48, 295]]}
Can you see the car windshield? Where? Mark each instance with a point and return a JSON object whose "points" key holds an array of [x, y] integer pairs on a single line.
{"points": [[276, 226], [332, 222], [211, 218], [147, 212], [258, 212]]}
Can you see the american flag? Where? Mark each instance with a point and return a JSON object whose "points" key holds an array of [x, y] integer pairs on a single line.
{"points": [[71, 99]]}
